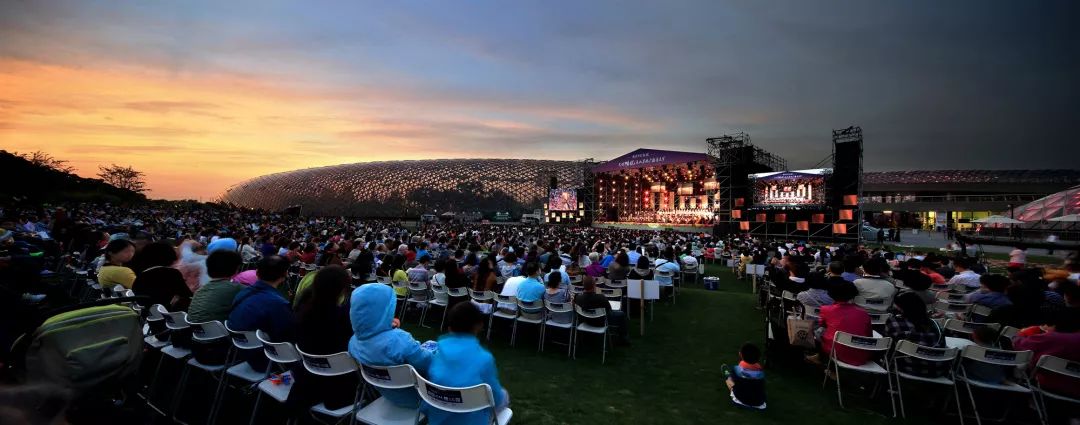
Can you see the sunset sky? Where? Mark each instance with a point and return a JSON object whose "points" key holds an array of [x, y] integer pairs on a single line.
{"points": [[202, 95]]}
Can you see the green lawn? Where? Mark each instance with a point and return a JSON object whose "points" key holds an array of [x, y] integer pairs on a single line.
{"points": [[671, 375], [1001, 256]]}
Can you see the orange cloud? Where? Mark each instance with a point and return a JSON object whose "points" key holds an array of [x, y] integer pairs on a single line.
{"points": [[193, 137], [196, 135]]}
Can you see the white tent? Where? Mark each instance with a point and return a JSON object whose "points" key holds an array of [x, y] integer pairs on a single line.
{"points": [[1066, 218], [997, 219]]}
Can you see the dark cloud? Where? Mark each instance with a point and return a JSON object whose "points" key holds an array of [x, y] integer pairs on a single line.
{"points": [[960, 84]]}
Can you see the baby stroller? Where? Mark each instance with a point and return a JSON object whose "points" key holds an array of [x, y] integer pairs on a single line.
{"points": [[93, 350]]}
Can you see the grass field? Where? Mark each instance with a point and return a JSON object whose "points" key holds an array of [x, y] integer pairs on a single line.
{"points": [[1000, 256], [671, 375]]}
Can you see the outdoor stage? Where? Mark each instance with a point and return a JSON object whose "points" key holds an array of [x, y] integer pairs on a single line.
{"points": [[654, 226]]}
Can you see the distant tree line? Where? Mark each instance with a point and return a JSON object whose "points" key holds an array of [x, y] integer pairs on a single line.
{"points": [[37, 177]]}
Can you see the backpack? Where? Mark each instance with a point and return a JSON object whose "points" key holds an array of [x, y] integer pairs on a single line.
{"points": [[85, 349]]}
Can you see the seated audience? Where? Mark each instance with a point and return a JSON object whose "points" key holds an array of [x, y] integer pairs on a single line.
{"points": [[214, 300], [873, 284], [531, 289], [818, 293], [159, 280], [912, 323], [843, 316], [964, 276], [114, 271], [984, 336], [746, 381], [461, 361], [322, 327], [592, 299], [642, 270], [556, 293], [377, 341], [991, 292], [1060, 337], [595, 268], [262, 307]]}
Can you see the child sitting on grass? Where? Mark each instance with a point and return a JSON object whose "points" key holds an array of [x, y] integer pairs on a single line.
{"points": [[746, 381]]}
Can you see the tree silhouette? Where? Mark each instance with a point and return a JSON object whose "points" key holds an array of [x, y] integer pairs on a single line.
{"points": [[43, 159], [123, 177]]}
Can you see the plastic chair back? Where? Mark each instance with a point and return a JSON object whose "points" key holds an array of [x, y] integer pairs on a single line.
{"points": [[278, 352], [922, 352], [996, 357], [243, 340], [611, 293], [336, 364], [174, 321], [389, 377], [453, 399], [967, 328], [205, 332], [1059, 365], [457, 292], [558, 307], [865, 343]]}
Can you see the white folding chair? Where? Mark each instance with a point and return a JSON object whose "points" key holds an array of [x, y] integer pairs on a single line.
{"points": [[879, 319], [583, 326], [558, 310], [1059, 366], [863, 343], [1017, 360], [418, 294], [811, 312], [337, 364], [281, 355], [695, 272], [439, 297], [175, 323], [500, 313], [242, 341], [1009, 332], [382, 411], [965, 329], [462, 400], [950, 297], [400, 299], [951, 309], [907, 350], [531, 313], [980, 311], [789, 301], [206, 334], [385, 280]]}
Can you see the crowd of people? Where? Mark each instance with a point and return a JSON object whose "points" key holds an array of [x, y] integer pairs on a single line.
{"points": [[847, 284], [229, 264]]}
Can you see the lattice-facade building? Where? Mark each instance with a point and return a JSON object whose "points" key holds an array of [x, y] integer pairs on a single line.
{"points": [[410, 188]]}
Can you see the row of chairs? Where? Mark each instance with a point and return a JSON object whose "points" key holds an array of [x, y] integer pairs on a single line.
{"points": [[282, 355], [957, 374], [424, 295]]}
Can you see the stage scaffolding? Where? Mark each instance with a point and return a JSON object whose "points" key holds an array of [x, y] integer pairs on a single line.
{"points": [[734, 157]]}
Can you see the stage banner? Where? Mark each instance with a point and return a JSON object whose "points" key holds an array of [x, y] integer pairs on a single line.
{"points": [[642, 158]]}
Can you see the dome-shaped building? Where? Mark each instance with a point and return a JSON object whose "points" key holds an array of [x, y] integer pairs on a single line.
{"points": [[1054, 205], [410, 188]]}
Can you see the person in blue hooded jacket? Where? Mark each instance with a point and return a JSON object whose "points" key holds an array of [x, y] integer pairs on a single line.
{"points": [[377, 341], [460, 361]]}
